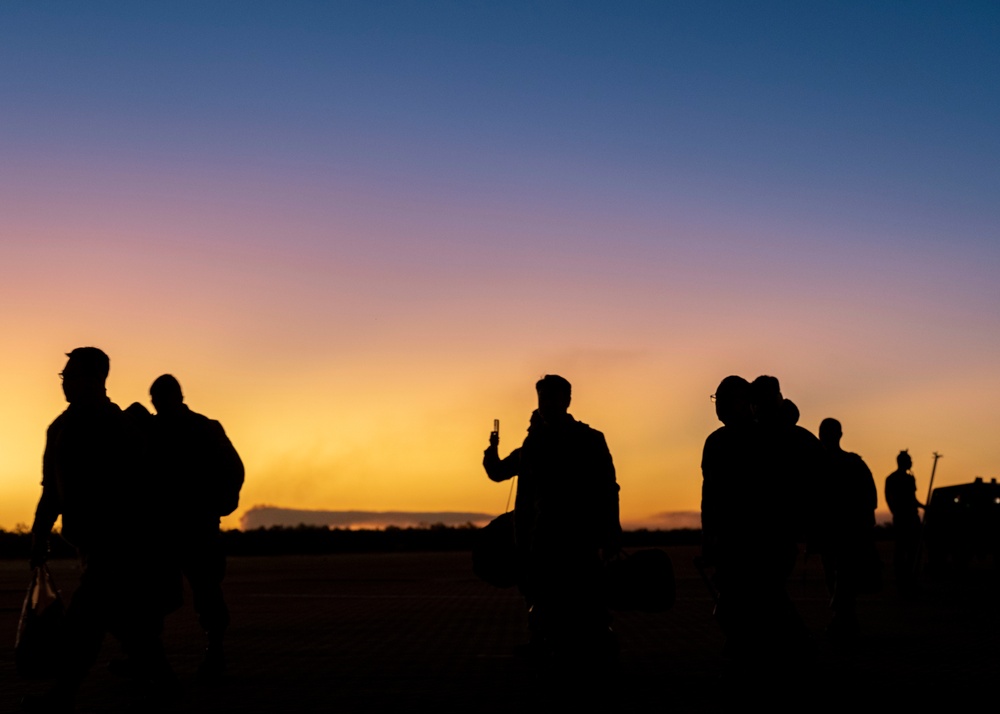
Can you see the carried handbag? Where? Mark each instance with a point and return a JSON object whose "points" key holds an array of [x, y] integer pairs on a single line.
{"points": [[494, 552], [39, 630]]}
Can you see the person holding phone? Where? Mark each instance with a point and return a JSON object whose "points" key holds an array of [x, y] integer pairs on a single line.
{"points": [[566, 521]]}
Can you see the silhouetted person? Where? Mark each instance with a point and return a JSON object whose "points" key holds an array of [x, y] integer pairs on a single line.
{"points": [[901, 497], [566, 520], [729, 463], [92, 476], [199, 475], [793, 461], [749, 535], [847, 543]]}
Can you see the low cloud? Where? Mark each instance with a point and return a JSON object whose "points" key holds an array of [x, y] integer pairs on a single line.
{"points": [[667, 520], [267, 516], [672, 520]]}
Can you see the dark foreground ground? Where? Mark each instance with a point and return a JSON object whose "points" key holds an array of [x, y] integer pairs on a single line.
{"points": [[402, 632]]}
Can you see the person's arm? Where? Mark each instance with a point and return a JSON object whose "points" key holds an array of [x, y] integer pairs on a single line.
{"points": [[48, 509], [711, 504], [501, 469]]}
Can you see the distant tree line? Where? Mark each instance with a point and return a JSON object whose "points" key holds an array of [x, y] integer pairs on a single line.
{"points": [[320, 540]]}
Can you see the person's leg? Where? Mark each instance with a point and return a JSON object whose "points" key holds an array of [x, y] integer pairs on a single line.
{"points": [[204, 566]]}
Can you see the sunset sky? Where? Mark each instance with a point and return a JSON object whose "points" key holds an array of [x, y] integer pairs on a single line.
{"points": [[358, 232]]}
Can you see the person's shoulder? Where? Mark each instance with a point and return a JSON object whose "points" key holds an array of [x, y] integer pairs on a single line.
{"points": [[804, 443], [854, 458], [113, 417], [589, 436], [193, 417], [804, 435], [719, 435], [586, 429], [732, 437], [213, 425], [58, 423], [857, 462], [206, 426]]}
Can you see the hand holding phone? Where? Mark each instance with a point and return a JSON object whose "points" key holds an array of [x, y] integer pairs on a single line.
{"points": [[495, 434]]}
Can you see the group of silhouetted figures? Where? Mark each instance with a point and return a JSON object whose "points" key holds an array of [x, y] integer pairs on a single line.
{"points": [[113, 475], [768, 485]]}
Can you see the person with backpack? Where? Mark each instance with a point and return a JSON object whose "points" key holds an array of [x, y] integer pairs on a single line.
{"points": [[200, 474]]}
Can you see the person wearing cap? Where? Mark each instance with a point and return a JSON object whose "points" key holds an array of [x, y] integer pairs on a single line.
{"points": [[93, 477]]}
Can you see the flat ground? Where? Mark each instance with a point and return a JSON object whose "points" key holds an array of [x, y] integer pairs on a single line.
{"points": [[391, 632]]}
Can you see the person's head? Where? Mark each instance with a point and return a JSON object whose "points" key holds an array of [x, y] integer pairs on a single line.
{"points": [[789, 412], [554, 393], [830, 433], [903, 460], [166, 394], [85, 374], [765, 394], [732, 401]]}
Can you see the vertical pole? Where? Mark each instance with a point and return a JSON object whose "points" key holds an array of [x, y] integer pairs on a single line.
{"points": [[923, 521], [930, 487]]}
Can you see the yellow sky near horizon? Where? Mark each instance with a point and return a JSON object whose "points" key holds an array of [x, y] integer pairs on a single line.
{"points": [[365, 435]]}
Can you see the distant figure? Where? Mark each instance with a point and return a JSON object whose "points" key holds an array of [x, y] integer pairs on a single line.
{"points": [[566, 521], [199, 475], [901, 497], [848, 547], [749, 534], [92, 476]]}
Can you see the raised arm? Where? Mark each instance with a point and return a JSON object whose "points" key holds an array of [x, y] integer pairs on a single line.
{"points": [[501, 469]]}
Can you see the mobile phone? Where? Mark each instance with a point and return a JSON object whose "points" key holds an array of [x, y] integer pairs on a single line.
{"points": [[496, 427]]}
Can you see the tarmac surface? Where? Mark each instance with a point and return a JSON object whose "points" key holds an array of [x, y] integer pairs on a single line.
{"points": [[392, 632]]}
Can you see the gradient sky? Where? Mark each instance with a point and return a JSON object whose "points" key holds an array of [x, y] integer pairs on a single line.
{"points": [[357, 232]]}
